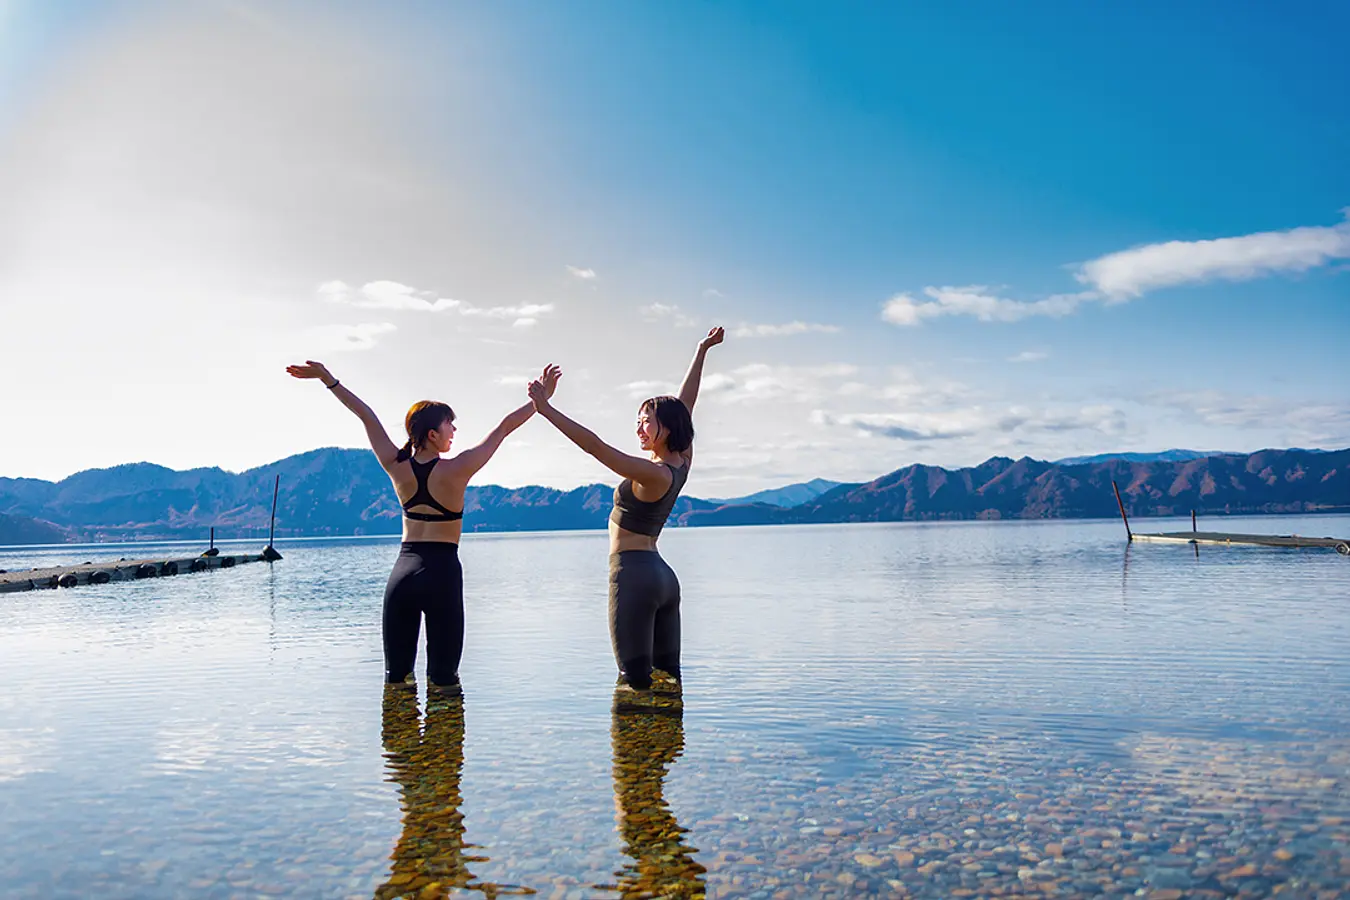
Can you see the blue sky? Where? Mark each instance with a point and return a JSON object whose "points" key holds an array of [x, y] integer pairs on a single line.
{"points": [[594, 183]]}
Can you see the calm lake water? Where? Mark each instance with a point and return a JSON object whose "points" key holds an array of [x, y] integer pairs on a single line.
{"points": [[927, 710]]}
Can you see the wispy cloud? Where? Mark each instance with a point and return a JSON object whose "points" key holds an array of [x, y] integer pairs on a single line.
{"points": [[338, 338], [976, 421], [713, 293], [394, 296], [522, 316], [668, 312], [639, 390], [583, 274], [1130, 273], [978, 302], [1029, 356], [1302, 424], [385, 295], [1120, 276], [515, 379], [746, 330], [761, 381]]}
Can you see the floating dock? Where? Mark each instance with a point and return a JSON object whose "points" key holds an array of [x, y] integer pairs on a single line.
{"points": [[125, 570], [138, 569], [1196, 537]]}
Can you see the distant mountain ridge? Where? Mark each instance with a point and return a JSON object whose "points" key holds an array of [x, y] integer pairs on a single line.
{"points": [[1268, 481], [1160, 456], [331, 491], [341, 492], [786, 496]]}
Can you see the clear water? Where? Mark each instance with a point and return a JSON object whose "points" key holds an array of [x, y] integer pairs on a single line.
{"points": [[926, 710]]}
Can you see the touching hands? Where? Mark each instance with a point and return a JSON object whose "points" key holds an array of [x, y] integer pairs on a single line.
{"points": [[542, 388], [312, 369], [715, 336]]}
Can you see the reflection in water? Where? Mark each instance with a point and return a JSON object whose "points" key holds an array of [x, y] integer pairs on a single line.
{"points": [[426, 762], [648, 735]]}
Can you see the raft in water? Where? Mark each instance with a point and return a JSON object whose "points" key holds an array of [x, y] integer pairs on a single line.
{"points": [[126, 570], [1194, 536]]}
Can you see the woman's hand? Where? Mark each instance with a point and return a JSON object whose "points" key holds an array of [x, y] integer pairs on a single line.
{"points": [[715, 336], [312, 369], [542, 388]]}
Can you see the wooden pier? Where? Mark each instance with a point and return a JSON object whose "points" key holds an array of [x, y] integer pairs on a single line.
{"points": [[126, 570], [1197, 537]]}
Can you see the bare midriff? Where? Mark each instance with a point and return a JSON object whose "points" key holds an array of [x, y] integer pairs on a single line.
{"points": [[621, 539], [441, 532]]}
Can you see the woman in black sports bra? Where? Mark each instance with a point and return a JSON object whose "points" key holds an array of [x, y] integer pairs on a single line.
{"points": [[644, 594], [427, 579]]}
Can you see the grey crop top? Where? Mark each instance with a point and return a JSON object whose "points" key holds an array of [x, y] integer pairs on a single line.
{"points": [[643, 516]]}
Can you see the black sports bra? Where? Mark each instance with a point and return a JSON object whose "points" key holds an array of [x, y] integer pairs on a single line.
{"points": [[632, 513], [421, 471]]}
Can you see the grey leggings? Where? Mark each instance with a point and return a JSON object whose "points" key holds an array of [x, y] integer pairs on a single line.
{"points": [[644, 616]]}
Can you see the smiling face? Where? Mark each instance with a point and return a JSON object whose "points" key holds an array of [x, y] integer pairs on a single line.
{"points": [[649, 431]]}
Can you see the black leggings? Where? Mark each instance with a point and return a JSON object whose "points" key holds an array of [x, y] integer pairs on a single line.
{"points": [[644, 616], [427, 580]]}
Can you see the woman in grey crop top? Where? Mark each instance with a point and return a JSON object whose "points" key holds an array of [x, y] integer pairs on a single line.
{"points": [[644, 594]]}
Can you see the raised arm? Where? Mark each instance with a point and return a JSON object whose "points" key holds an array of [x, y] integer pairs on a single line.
{"points": [[384, 448], [470, 461], [643, 471], [689, 387]]}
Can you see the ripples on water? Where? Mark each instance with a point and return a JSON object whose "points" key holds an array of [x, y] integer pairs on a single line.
{"points": [[913, 710]]}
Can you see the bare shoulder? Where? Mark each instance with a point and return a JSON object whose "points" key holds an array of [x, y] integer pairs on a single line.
{"points": [[451, 469]]}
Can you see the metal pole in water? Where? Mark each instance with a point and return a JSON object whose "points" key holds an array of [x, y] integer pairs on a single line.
{"points": [[1193, 529], [1129, 534], [272, 528], [269, 552]]}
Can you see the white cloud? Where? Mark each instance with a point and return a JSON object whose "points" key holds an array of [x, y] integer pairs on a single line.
{"points": [[385, 295], [1296, 424], [1130, 273], [747, 330], [337, 338], [526, 310], [712, 293], [905, 387], [583, 274], [1117, 277], [976, 421], [1027, 356], [761, 381], [394, 296], [640, 390], [659, 311], [976, 301], [515, 379]]}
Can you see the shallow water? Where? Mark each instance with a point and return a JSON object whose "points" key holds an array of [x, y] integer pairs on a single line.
{"points": [[952, 709]]}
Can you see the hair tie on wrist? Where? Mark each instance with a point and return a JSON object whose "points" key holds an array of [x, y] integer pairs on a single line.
{"points": [[333, 385]]}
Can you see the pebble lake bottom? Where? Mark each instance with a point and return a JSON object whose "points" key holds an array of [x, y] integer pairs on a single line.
{"points": [[904, 710]]}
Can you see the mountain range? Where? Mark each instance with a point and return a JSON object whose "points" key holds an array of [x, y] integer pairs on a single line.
{"points": [[342, 492], [790, 495]]}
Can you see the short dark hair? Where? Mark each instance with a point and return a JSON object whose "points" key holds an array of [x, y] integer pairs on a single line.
{"points": [[423, 416], [673, 417]]}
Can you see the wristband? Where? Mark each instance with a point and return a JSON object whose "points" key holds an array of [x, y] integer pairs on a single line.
{"points": [[333, 385]]}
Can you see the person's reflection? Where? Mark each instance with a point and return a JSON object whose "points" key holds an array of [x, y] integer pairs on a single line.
{"points": [[647, 731], [426, 762]]}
